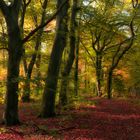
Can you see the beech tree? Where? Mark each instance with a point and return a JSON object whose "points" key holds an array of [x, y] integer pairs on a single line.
{"points": [[11, 11], [15, 49], [107, 32], [29, 68], [48, 101], [124, 46], [71, 56], [116, 59]]}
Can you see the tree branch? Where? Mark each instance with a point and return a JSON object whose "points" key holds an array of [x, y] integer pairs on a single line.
{"points": [[114, 45], [26, 3], [91, 57], [114, 64], [43, 25], [97, 38], [135, 3]]}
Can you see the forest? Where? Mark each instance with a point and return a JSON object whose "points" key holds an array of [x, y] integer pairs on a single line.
{"points": [[69, 69]]}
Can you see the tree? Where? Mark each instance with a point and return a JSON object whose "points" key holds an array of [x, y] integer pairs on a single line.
{"points": [[100, 34], [11, 14], [115, 61], [111, 34], [10, 11], [71, 55], [48, 101], [29, 68], [122, 48]]}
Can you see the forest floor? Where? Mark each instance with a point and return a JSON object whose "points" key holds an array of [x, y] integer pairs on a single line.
{"points": [[99, 119]]}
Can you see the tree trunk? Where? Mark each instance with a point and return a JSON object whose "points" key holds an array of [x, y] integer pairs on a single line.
{"points": [[99, 73], [48, 103], [15, 53], [63, 90], [26, 93], [109, 84], [85, 71], [38, 84], [76, 68], [71, 57]]}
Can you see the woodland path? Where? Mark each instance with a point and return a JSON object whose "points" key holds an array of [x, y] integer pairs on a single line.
{"points": [[103, 120]]}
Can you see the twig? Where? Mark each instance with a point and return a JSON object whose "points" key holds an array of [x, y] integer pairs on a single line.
{"points": [[66, 129]]}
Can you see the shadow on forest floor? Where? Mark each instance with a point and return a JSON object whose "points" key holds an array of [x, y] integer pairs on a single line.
{"points": [[106, 120]]}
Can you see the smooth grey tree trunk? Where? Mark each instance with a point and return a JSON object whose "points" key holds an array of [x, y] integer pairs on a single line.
{"points": [[48, 102]]}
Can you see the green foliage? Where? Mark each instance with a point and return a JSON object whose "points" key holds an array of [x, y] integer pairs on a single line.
{"points": [[119, 85], [2, 91], [36, 87], [83, 99], [107, 21]]}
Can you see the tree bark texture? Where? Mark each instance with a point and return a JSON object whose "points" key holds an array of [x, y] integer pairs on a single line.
{"points": [[109, 84], [76, 68], [15, 53], [99, 74], [71, 56], [48, 103]]}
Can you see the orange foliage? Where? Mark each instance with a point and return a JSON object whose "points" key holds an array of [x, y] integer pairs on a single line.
{"points": [[122, 72]]}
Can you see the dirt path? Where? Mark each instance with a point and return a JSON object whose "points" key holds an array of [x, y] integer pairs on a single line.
{"points": [[108, 120]]}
